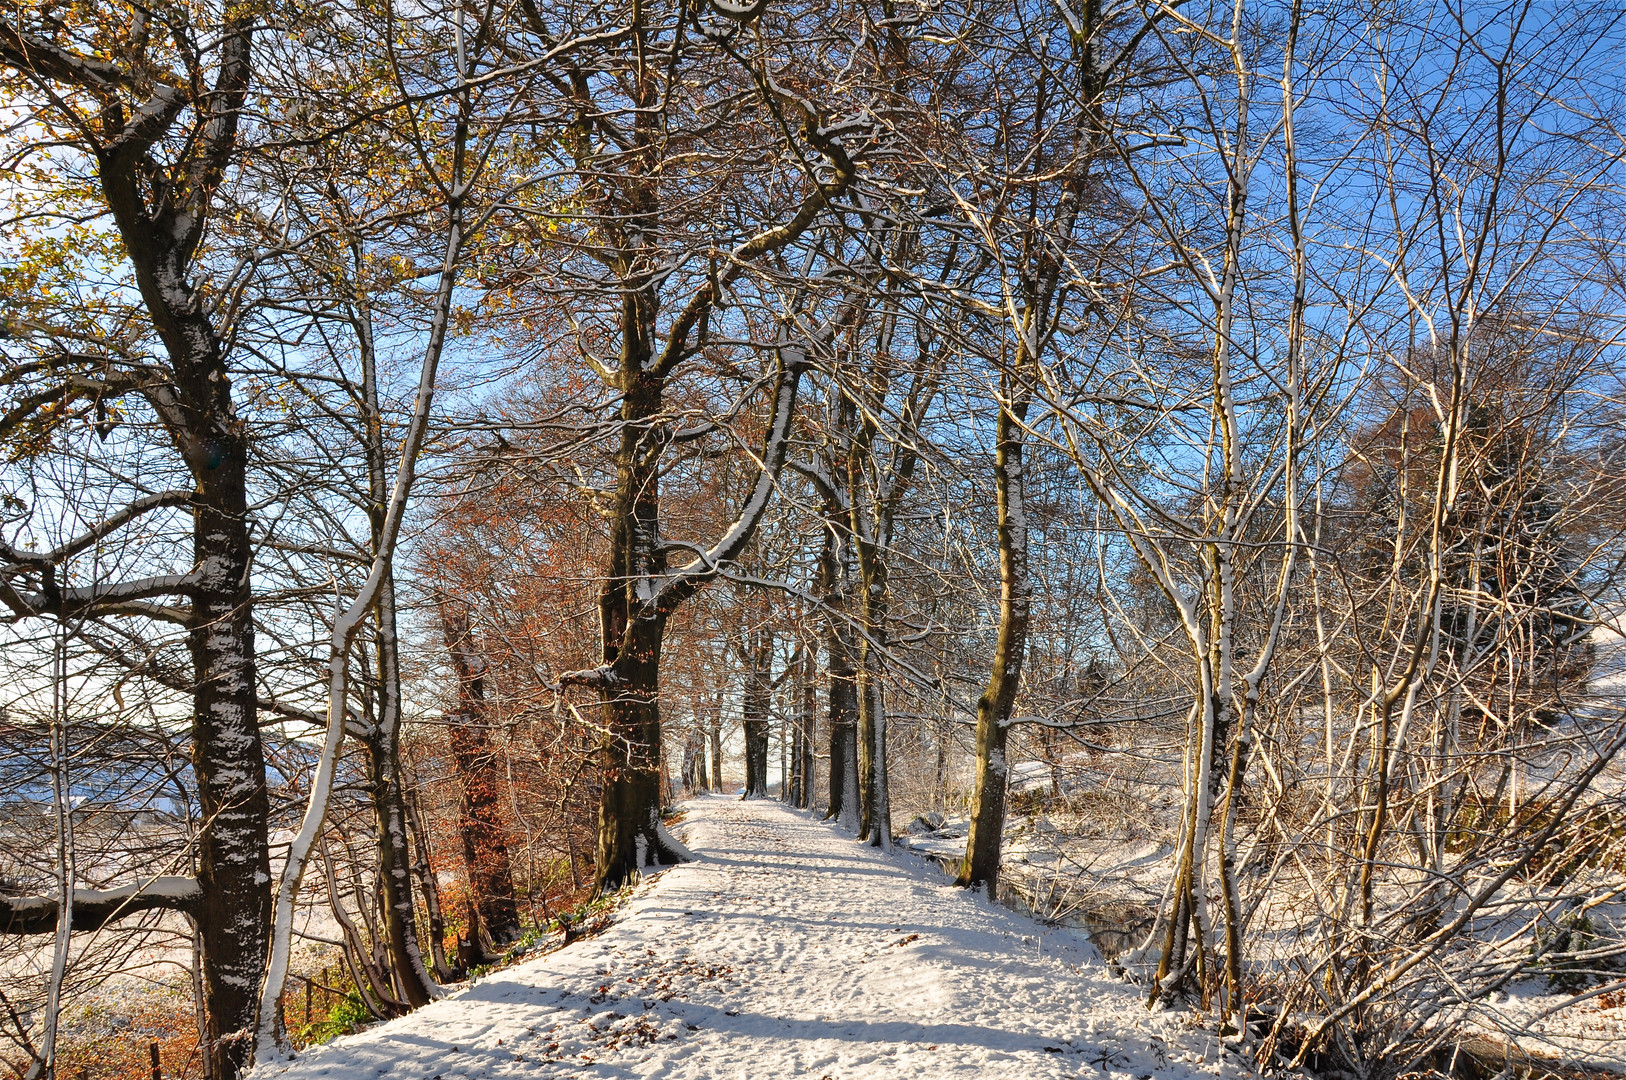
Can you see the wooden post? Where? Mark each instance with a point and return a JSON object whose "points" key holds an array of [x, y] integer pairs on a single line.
{"points": [[157, 1073], [307, 1001]]}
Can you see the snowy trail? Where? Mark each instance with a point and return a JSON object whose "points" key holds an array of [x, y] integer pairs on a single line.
{"points": [[789, 950]]}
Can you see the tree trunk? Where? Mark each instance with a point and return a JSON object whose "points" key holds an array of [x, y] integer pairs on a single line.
{"points": [[835, 575], [872, 502], [639, 593], [810, 722], [629, 828], [694, 764], [982, 849], [940, 790], [843, 749], [876, 826], [801, 783], [485, 851], [756, 701], [228, 758], [791, 745], [372, 981], [756, 759], [383, 741], [843, 707], [383, 746], [630, 836], [875, 810], [234, 861], [716, 734], [422, 868]]}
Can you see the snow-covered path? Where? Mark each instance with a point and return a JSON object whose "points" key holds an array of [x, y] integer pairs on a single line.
{"points": [[789, 950]]}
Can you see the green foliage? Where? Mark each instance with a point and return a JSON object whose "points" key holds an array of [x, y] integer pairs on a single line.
{"points": [[527, 939], [346, 1016]]}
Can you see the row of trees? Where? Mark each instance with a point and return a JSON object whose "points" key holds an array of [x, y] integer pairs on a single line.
{"points": [[425, 424]]}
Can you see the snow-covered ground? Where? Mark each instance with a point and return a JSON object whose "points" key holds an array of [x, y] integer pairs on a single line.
{"points": [[787, 949]]}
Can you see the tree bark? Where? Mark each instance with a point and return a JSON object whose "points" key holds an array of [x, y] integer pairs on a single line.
{"points": [[485, 851], [756, 701], [810, 721], [234, 859], [834, 578], [876, 826], [630, 836], [983, 844], [716, 736], [629, 830], [382, 741], [875, 811], [93, 909], [633, 608], [873, 494], [425, 873], [383, 746], [801, 783], [228, 759], [694, 763]]}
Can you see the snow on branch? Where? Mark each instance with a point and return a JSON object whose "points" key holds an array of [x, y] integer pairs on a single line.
{"points": [[740, 13], [679, 586], [120, 597], [95, 908], [115, 598], [270, 1042], [595, 678]]}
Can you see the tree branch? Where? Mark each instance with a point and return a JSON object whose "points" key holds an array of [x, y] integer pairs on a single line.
{"points": [[95, 908]]}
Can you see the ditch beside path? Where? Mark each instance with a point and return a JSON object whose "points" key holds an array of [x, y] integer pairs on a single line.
{"points": [[788, 950]]}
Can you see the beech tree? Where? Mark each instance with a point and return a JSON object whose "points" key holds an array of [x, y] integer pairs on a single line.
{"points": [[156, 121], [659, 299], [491, 880], [756, 649]]}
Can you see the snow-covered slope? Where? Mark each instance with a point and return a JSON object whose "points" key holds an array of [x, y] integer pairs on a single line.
{"points": [[788, 949]]}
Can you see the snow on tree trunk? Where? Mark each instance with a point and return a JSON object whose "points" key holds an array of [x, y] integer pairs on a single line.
{"points": [[234, 859], [801, 786], [875, 823], [694, 763], [631, 638], [872, 716], [161, 234], [383, 742], [843, 707], [269, 1039]]}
